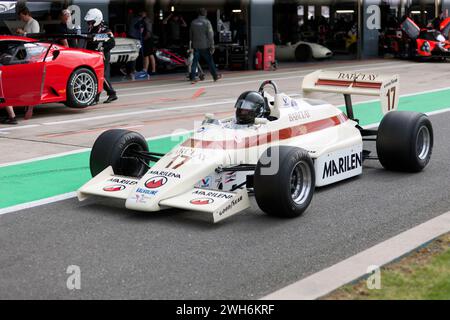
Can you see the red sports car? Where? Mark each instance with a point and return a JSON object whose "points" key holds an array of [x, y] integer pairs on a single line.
{"points": [[33, 72], [410, 41]]}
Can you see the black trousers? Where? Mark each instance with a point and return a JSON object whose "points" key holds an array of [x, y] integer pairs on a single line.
{"points": [[107, 83]]}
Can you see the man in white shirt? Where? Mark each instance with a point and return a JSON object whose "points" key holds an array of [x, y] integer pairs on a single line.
{"points": [[31, 25]]}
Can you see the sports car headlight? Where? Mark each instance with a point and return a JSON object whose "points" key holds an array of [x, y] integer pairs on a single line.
{"points": [[138, 45]]}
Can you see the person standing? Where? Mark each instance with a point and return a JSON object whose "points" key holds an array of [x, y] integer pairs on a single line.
{"points": [[63, 28], [175, 22], [11, 118], [145, 30], [31, 25], [202, 41], [96, 25]]}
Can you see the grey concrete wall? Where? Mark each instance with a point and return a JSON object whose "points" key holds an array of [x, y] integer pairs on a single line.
{"points": [[446, 5], [371, 20], [260, 26]]}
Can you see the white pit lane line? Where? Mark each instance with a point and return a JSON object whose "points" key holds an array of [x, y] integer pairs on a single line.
{"points": [[298, 71], [162, 109], [275, 77], [116, 115], [357, 266]]}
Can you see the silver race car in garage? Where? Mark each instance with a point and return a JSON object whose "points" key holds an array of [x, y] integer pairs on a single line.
{"points": [[125, 50], [277, 148], [302, 51]]}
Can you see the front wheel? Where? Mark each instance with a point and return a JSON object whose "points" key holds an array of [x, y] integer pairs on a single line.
{"points": [[117, 148], [405, 141], [303, 53], [81, 89], [284, 181]]}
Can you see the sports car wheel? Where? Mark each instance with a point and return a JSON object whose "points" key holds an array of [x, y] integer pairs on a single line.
{"points": [[115, 148], [303, 53], [405, 141], [284, 181], [81, 88]]}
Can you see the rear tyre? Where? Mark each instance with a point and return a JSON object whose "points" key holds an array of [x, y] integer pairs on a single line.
{"points": [[81, 89], [405, 141], [115, 148], [303, 53], [284, 181]]}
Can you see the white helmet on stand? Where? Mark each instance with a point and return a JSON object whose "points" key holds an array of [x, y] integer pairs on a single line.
{"points": [[94, 15]]}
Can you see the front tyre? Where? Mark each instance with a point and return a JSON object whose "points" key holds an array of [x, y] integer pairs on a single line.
{"points": [[284, 181], [405, 141], [81, 89], [303, 53], [117, 148]]}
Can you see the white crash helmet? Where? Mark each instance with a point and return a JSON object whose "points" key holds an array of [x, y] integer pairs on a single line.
{"points": [[94, 15]]}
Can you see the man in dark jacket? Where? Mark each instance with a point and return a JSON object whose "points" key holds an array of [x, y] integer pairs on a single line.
{"points": [[202, 41], [96, 25]]}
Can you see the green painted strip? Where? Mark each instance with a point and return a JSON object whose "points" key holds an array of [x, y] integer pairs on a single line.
{"points": [[47, 178], [369, 113], [42, 179]]}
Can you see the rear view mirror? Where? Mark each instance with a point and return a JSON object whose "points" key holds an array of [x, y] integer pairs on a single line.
{"points": [[55, 54]]}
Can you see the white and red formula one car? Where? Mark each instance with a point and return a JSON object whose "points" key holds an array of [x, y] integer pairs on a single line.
{"points": [[275, 147]]}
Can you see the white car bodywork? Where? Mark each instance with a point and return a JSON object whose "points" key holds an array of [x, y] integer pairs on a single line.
{"points": [[190, 176], [287, 52], [125, 50]]}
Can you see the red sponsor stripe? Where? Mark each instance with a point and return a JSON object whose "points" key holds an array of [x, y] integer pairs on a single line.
{"points": [[344, 83], [338, 83], [261, 139], [371, 85]]}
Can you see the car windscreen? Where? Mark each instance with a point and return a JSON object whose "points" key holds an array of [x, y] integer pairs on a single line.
{"points": [[410, 28], [20, 52], [431, 35]]}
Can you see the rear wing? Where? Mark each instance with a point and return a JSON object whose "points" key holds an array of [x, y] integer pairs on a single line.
{"points": [[386, 87]]}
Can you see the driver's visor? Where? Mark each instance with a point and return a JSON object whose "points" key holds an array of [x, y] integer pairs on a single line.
{"points": [[244, 104]]}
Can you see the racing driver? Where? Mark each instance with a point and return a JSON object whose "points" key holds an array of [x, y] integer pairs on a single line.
{"points": [[96, 25]]}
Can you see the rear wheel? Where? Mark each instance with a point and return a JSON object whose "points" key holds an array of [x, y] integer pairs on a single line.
{"points": [[116, 148], [405, 141], [303, 53], [291, 171], [82, 88]]}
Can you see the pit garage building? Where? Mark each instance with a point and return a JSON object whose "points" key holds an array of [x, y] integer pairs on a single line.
{"points": [[350, 28]]}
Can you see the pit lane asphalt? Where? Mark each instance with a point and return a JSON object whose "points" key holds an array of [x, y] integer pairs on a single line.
{"points": [[167, 255], [161, 106]]}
